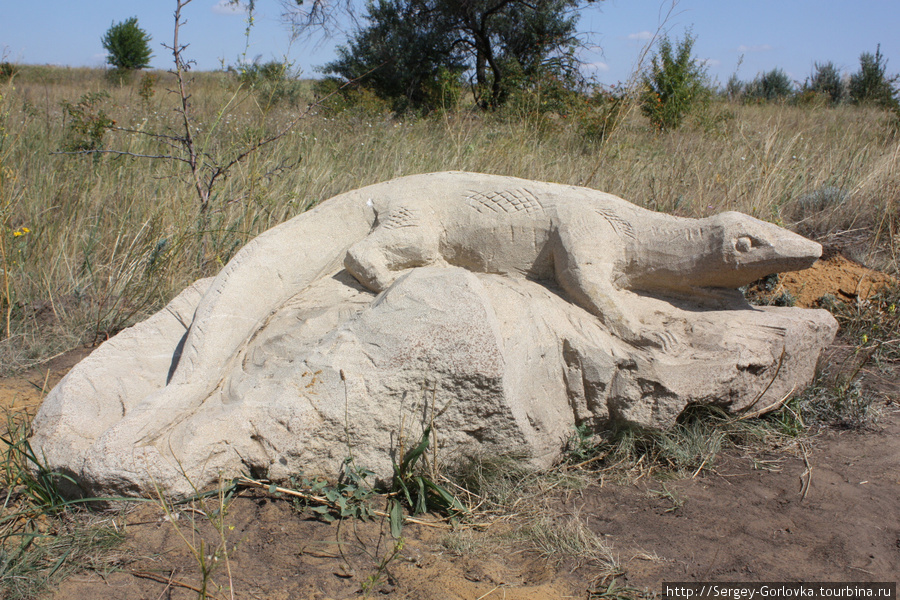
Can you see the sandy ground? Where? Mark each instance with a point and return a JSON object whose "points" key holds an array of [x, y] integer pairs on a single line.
{"points": [[834, 516], [831, 513]]}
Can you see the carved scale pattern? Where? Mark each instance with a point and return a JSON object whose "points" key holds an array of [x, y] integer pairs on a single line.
{"points": [[622, 227], [505, 201], [402, 217]]}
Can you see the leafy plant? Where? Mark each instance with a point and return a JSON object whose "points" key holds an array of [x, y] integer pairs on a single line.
{"points": [[417, 490], [87, 123], [871, 84], [128, 45], [8, 70], [273, 81], [734, 88], [402, 55], [255, 72], [674, 84], [873, 324], [602, 115], [350, 497], [375, 578], [145, 88], [836, 397], [582, 447], [839, 395], [407, 44]]}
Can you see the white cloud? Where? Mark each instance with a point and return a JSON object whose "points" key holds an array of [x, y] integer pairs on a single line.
{"points": [[226, 7], [756, 48], [598, 66], [711, 62], [640, 36]]}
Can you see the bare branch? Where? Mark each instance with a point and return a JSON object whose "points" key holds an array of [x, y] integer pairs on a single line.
{"points": [[123, 153], [322, 16]]}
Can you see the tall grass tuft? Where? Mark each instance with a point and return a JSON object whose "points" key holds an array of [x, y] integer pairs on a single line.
{"points": [[43, 536]]}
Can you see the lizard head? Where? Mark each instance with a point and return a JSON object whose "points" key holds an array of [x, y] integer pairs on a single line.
{"points": [[751, 249]]}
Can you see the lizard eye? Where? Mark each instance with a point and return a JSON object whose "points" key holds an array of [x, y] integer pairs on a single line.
{"points": [[743, 244]]}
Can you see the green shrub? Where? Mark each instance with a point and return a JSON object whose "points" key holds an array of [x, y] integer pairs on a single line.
{"points": [[273, 81], [400, 55], [8, 70], [871, 84], [674, 84], [145, 88], [256, 73], [603, 113], [774, 85], [734, 89], [548, 95], [826, 82], [87, 123], [336, 97]]}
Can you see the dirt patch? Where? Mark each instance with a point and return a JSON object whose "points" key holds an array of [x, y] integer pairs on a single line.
{"points": [[279, 555], [26, 391], [833, 274], [753, 518]]}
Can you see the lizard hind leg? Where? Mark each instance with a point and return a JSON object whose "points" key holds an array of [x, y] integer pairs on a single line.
{"points": [[379, 259]]}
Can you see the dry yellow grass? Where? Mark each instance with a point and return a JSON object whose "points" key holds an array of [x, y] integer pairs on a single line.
{"points": [[113, 238]]}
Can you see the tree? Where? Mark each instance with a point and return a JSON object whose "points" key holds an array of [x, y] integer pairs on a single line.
{"points": [[826, 80], [674, 84], [128, 45], [496, 41], [871, 84], [403, 55]]}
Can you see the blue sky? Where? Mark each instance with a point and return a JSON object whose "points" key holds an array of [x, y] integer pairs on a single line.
{"points": [[790, 34]]}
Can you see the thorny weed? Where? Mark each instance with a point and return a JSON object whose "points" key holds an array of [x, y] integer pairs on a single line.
{"points": [[192, 519]]}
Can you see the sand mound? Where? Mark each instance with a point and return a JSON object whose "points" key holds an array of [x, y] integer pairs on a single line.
{"points": [[835, 274]]}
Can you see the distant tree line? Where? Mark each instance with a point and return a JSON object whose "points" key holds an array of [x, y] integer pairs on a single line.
{"points": [[870, 85], [420, 55]]}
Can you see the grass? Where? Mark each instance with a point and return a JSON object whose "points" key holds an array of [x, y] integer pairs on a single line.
{"points": [[847, 391], [693, 444], [519, 503], [44, 537], [112, 238]]}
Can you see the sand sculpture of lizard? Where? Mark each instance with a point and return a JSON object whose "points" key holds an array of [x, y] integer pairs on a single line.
{"points": [[597, 247]]}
